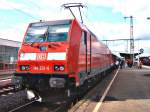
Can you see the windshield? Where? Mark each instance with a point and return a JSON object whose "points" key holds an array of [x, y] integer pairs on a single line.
{"points": [[47, 33]]}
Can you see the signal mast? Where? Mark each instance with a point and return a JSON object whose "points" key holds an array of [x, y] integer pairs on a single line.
{"points": [[131, 38]]}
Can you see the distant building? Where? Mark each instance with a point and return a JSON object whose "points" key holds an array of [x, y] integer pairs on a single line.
{"points": [[8, 54]]}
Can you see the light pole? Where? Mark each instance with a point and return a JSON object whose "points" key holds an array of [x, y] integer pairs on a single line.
{"points": [[131, 37]]}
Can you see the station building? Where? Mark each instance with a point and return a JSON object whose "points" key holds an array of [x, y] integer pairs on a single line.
{"points": [[8, 54]]}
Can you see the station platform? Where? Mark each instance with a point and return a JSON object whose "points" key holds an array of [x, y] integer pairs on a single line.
{"points": [[130, 92], [146, 67]]}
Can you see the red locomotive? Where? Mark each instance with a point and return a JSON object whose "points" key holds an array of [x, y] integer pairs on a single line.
{"points": [[60, 56]]}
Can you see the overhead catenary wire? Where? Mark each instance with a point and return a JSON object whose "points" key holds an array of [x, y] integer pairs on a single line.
{"points": [[85, 15], [37, 6], [89, 20], [23, 12], [93, 13]]}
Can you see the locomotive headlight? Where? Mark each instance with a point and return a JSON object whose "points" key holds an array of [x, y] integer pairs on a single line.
{"points": [[59, 67], [24, 67], [62, 68], [56, 67]]}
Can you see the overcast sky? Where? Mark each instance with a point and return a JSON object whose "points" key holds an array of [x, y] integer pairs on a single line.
{"points": [[104, 17]]}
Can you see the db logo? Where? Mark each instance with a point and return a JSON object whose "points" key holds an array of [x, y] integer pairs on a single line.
{"points": [[41, 56]]}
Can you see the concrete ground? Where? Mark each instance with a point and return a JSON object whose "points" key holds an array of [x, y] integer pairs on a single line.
{"points": [[130, 92]]}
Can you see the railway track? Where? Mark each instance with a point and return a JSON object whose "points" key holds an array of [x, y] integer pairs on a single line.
{"points": [[5, 78], [33, 106], [22, 106], [6, 90], [84, 102], [6, 87]]}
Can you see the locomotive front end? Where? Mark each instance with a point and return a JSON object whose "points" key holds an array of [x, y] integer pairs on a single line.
{"points": [[42, 60]]}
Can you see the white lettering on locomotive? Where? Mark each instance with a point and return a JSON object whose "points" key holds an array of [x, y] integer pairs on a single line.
{"points": [[41, 56]]}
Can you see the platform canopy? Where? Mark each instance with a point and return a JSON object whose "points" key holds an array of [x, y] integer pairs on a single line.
{"points": [[128, 55], [11, 43]]}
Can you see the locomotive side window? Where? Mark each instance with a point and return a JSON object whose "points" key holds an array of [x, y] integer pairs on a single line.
{"points": [[84, 38], [47, 33]]}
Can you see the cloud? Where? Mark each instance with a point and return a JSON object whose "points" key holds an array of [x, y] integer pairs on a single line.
{"points": [[144, 37], [14, 33], [51, 10], [126, 7], [106, 30], [132, 7], [8, 5], [105, 3]]}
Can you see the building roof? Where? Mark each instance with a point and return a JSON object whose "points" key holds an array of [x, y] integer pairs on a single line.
{"points": [[11, 43]]}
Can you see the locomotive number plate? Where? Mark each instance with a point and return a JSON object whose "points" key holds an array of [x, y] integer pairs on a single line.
{"points": [[41, 68]]}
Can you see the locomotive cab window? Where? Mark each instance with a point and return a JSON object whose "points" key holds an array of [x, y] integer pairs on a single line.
{"points": [[47, 33], [58, 33]]}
